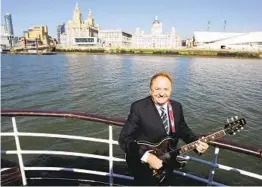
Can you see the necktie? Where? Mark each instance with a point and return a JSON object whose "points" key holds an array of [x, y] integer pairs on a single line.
{"points": [[164, 119]]}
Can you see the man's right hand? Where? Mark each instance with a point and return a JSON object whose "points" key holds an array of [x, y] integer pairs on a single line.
{"points": [[154, 162]]}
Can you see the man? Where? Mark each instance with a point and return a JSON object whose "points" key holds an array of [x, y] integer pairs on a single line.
{"points": [[152, 119]]}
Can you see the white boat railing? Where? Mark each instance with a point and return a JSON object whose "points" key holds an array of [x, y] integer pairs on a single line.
{"points": [[110, 141]]}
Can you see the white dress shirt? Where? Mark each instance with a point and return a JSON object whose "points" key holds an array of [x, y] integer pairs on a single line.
{"points": [[145, 156]]}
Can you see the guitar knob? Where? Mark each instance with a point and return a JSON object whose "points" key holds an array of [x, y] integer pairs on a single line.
{"points": [[242, 128], [234, 133], [238, 130], [236, 117]]}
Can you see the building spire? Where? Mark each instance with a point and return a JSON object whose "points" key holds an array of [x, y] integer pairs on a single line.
{"points": [[77, 6], [89, 12], [90, 18], [77, 17]]}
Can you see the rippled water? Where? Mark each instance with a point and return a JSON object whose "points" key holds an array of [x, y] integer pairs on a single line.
{"points": [[211, 90]]}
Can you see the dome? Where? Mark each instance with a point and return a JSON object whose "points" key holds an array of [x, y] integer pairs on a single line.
{"points": [[156, 21]]}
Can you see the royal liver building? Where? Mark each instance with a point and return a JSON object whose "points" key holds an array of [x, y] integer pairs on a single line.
{"points": [[79, 32], [156, 39]]}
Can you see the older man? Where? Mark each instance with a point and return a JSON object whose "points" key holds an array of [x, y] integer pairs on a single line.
{"points": [[151, 119]]}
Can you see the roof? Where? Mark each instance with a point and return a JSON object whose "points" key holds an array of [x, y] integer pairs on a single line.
{"points": [[217, 37]]}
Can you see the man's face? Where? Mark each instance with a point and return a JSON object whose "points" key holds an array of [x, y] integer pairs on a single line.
{"points": [[161, 90]]}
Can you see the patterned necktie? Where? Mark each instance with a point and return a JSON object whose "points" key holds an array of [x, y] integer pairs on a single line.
{"points": [[164, 119]]}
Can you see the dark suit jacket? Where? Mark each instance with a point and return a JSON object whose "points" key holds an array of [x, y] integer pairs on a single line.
{"points": [[144, 123]]}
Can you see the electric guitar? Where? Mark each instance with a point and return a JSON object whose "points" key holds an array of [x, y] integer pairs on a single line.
{"points": [[164, 152]]}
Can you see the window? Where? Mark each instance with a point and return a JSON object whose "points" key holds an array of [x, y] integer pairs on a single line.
{"points": [[84, 40]]}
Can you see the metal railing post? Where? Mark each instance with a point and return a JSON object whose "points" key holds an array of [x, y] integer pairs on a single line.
{"points": [[111, 155], [18, 148], [212, 170]]}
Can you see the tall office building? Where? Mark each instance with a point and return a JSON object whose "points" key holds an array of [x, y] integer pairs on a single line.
{"points": [[9, 24], [60, 30]]}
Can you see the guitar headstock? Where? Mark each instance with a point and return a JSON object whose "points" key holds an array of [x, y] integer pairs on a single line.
{"points": [[234, 125]]}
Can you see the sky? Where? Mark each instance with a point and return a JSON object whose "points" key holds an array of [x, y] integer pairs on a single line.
{"points": [[186, 16]]}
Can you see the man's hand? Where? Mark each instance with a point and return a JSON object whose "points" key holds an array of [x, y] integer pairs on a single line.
{"points": [[201, 146], [154, 162]]}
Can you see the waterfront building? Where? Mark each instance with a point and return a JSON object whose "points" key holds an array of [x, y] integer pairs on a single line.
{"points": [[9, 24], [115, 38], [60, 30], [156, 39], [5, 40], [79, 32], [226, 40], [7, 32], [39, 34]]}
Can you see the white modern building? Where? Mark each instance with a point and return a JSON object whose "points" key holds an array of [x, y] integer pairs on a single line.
{"points": [[225, 40], [79, 32], [5, 38], [156, 39], [115, 38]]}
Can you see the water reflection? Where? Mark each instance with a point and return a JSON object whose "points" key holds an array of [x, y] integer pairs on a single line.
{"points": [[210, 90]]}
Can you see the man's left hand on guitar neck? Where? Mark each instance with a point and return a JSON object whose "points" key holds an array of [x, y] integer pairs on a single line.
{"points": [[201, 146]]}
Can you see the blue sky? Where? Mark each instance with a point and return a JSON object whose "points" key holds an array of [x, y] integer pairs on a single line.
{"points": [[185, 15]]}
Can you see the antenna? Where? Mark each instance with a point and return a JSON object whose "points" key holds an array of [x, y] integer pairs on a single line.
{"points": [[208, 24], [225, 22]]}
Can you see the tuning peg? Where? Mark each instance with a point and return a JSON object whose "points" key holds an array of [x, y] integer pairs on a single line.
{"points": [[236, 117], [242, 128], [228, 121], [238, 130], [232, 119], [234, 133]]}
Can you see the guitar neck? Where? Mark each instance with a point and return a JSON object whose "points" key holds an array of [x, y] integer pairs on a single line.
{"points": [[192, 145]]}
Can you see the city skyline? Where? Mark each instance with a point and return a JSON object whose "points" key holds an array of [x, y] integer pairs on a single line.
{"points": [[186, 17]]}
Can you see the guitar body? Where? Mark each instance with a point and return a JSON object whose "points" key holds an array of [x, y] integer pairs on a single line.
{"points": [[169, 156], [161, 150]]}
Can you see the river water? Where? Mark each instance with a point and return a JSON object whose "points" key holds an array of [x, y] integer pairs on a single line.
{"points": [[211, 90]]}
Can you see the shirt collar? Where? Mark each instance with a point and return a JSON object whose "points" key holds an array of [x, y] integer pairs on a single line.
{"points": [[164, 106]]}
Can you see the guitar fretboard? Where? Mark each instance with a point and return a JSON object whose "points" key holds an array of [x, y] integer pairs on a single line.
{"points": [[211, 137]]}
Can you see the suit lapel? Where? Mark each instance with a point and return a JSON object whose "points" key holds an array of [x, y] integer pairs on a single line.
{"points": [[155, 115]]}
